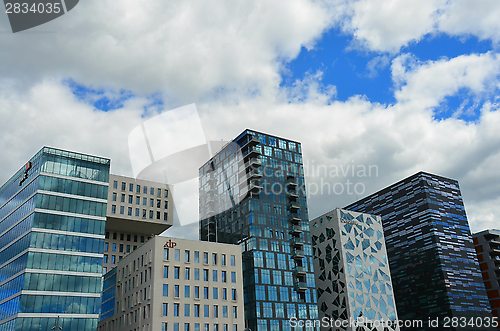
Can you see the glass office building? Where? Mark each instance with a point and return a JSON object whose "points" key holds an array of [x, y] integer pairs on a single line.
{"points": [[52, 221], [433, 265], [252, 194]]}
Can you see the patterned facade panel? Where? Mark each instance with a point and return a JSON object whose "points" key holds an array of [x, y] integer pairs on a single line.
{"points": [[352, 272]]}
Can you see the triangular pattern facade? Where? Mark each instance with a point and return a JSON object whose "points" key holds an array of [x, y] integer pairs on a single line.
{"points": [[352, 273]]}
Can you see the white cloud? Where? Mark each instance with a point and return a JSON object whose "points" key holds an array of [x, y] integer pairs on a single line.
{"points": [[226, 57]]}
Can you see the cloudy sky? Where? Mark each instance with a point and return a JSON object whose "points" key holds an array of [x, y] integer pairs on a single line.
{"points": [[401, 86]]}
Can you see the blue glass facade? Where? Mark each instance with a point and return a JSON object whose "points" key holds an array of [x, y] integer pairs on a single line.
{"points": [[252, 194], [433, 265], [52, 219]]}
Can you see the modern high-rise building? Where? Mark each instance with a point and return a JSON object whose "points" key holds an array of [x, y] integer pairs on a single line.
{"points": [[252, 194], [433, 264], [137, 210], [352, 272], [170, 284], [487, 245], [52, 221]]}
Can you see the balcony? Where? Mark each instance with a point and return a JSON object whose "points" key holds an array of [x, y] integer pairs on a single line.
{"points": [[300, 286], [293, 206], [299, 270], [251, 175], [297, 242], [251, 152], [298, 254], [295, 230], [250, 141], [295, 220], [254, 187]]}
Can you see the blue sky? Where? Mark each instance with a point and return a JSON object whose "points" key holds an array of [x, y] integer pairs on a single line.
{"points": [[346, 68]]}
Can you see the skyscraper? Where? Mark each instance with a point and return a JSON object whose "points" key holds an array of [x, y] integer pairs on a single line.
{"points": [[431, 256], [252, 194], [487, 245], [352, 272], [52, 220]]}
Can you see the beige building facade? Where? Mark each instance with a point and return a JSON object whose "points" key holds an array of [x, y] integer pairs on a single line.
{"points": [[175, 285], [137, 210]]}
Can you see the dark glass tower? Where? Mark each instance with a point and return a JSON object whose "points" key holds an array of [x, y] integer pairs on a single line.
{"points": [[434, 269], [52, 220], [252, 194]]}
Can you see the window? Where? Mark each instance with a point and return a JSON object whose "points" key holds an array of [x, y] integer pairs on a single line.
{"points": [[138, 189], [137, 212], [233, 294], [114, 196], [216, 311], [187, 291], [176, 291], [196, 310], [233, 276], [113, 259], [165, 194], [205, 258], [152, 191], [214, 275], [145, 189], [205, 292], [196, 292], [128, 248], [150, 214], [123, 186], [196, 274], [215, 293], [223, 276], [224, 293], [122, 209], [165, 309], [137, 200], [186, 256], [115, 184], [165, 291], [196, 257], [205, 311], [158, 215], [186, 326], [158, 203], [165, 254], [144, 213], [224, 312], [129, 211], [233, 260], [113, 247], [130, 198], [235, 312], [177, 254], [113, 209], [187, 274], [159, 193], [131, 187], [122, 199], [176, 309], [223, 262], [205, 275], [151, 202], [144, 201], [105, 258], [166, 204], [214, 258], [106, 247], [176, 272], [165, 216]]}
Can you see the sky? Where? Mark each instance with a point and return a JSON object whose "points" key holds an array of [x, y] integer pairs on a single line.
{"points": [[392, 86]]}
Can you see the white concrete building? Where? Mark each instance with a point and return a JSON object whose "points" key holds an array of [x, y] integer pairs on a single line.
{"points": [[175, 285], [352, 272], [137, 210]]}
